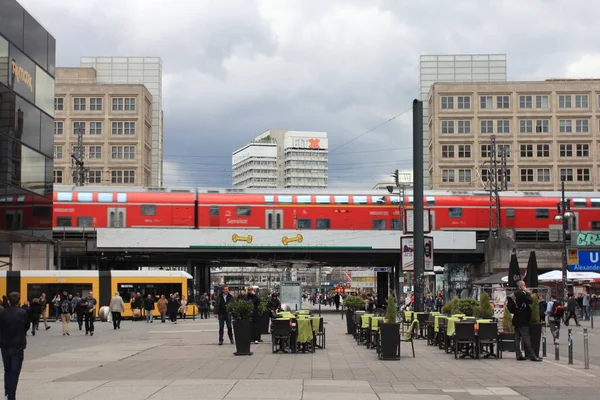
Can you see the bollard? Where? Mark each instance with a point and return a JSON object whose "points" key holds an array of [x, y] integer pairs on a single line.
{"points": [[556, 352], [194, 310], [592, 317], [342, 311], [586, 351], [570, 346], [544, 354]]}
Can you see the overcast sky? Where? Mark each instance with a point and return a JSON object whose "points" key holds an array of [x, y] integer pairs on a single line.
{"points": [[232, 69]]}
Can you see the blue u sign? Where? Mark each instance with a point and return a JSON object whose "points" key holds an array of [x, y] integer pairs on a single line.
{"points": [[589, 261]]}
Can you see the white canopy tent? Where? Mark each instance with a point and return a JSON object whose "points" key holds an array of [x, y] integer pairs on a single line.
{"points": [[571, 276]]}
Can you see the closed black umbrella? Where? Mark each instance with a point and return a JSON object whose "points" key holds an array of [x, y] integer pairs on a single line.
{"points": [[514, 273], [531, 279]]}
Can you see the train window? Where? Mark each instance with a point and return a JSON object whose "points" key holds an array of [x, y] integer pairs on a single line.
{"points": [[149, 209], [269, 199], [579, 202], [284, 199], [126, 290], [541, 213], [359, 199], [410, 200], [323, 223], [455, 212], [430, 201], [341, 200], [21, 199], [303, 200], [304, 224], [5, 199], [243, 211], [84, 222], [64, 196], [395, 200], [214, 211], [64, 222], [595, 203], [596, 225], [378, 200], [121, 197], [105, 197], [42, 211], [84, 197], [510, 213], [396, 224], [379, 224], [322, 199]]}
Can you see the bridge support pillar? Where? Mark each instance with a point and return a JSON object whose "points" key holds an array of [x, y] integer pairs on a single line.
{"points": [[203, 279], [498, 251], [382, 287]]}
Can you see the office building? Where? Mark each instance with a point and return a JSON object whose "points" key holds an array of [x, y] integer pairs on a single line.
{"points": [[454, 68], [116, 123], [549, 130], [132, 71], [281, 158], [27, 63]]}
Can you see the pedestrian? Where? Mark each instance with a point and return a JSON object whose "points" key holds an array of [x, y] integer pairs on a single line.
{"points": [[571, 310], [162, 307], [554, 313], [88, 305], [117, 306], [43, 305], [220, 311], [75, 303], [439, 302], [66, 309], [149, 307], [543, 307], [521, 320], [14, 323], [55, 303], [35, 312], [203, 306], [173, 308], [586, 305], [336, 300], [182, 308]]}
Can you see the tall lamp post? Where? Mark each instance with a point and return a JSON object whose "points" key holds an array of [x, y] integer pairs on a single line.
{"points": [[564, 214], [400, 181]]}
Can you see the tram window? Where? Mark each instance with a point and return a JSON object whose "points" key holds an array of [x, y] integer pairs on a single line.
{"points": [[126, 290], [510, 213], [541, 213], [64, 222], [149, 210], [323, 223], [35, 290], [214, 211], [379, 224], [596, 225], [396, 225], [42, 211], [243, 211], [304, 224], [455, 212], [84, 222]]}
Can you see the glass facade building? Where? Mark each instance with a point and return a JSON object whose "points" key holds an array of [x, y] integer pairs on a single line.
{"points": [[27, 64]]}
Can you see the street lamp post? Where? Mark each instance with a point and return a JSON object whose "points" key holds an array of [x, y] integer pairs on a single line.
{"points": [[564, 213]]}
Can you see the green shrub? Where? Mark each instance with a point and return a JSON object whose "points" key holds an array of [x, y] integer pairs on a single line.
{"points": [[240, 310], [535, 310], [354, 303], [467, 305], [391, 312], [507, 325], [451, 307], [264, 301], [484, 310]]}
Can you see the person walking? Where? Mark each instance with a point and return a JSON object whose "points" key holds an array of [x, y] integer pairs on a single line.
{"points": [[66, 309], [586, 305], [75, 304], [149, 307], [336, 300], [162, 307], [204, 306], [43, 305], [35, 312], [173, 308], [521, 320], [88, 305], [571, 310], [14, 323], [117, 306], [220, 311]]}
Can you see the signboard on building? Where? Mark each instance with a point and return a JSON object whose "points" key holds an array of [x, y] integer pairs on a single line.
{"points": [[306, 140], [584, 261], [409, 220], [408, 250], [291, 294], [364, 279]]}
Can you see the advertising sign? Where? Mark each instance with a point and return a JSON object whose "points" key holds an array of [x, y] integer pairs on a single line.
{"points": [[408, 250], [409, 220], [22, 74], [291, 294], [587, 261]]}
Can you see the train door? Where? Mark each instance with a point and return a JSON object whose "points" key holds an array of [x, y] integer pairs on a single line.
{"points": [[13, 220], [183, 216], [274, 219], [116, 218]]}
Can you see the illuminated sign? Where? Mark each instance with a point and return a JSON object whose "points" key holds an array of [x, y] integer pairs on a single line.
{"points": [[304, 143], [22, 75]]}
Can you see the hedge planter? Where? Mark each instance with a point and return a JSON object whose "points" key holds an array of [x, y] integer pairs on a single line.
{"points": [[535, 331], [507, 341], [264, 322], [349, 322], [389, 341], [242, 330]]}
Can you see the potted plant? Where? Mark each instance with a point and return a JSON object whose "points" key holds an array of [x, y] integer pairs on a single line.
{"points": [[535, 327], [507, 335], [484, 310], [352, 304], [241, 316], [389, 332], [467, 306], [451, 307], [265, 314]]}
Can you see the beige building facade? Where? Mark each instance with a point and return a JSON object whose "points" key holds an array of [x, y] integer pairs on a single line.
{"points": [[116, 120], [549, 129]]}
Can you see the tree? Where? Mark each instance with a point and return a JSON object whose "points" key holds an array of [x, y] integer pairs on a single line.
{"points": [[484, 310], [391, 312]]}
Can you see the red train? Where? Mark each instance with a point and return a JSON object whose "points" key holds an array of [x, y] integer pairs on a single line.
{"points": [[530, 213]]}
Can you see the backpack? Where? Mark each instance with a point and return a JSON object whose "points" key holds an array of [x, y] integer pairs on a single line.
{"points": [[65, 307], [511, 304], [558, 310]]}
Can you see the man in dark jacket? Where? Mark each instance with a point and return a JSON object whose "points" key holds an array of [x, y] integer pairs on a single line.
{"points": [[14, 323], [521, 319], [88, 307], [221, 302], [148, 308]]}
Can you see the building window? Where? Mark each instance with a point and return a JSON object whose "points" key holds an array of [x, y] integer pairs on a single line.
{"points": [[486, 102], [543, 175], [583, 150], [464, 126], [564, 101], [525, 102], [487, 126], [58, 128], [79, 103], [464, 175], [464, 102], [566, 174], [95, 177], [448, 151], [96, 104], [95, 152], [95, 128], [58, 176], [542, 125], [123, 152], [503, 126], [541, 102], [117, 104], [566, 150], [565, 125], [581, 101], [129, 152], [448, 175], [464, 151], [526, 126], [117, 128], [77, 126], [543, 150], [485, 150], [59, 104], [526, 174], [526, 150], [129, 128], [123, 104], [502, 102], [581, 125], [58, 152], [447, 102], [583, 174], [506, 148], [123, 177], [447, 126], [129, 104]]}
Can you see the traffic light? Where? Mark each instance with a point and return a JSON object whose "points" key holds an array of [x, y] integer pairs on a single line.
{"points": [[396, 176]]}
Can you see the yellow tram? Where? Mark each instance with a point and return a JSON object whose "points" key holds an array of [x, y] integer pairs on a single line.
{"points": [[103, 284]]}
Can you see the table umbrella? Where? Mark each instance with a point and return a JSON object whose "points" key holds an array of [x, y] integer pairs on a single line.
{"points": [[531, 279], [514, 273]]}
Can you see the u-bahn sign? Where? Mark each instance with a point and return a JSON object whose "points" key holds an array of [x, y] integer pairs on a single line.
{"points": [[584, 260]]}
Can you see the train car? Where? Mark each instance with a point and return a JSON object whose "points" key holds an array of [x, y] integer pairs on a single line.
{"points": [[103, 284], [25, 211]]}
